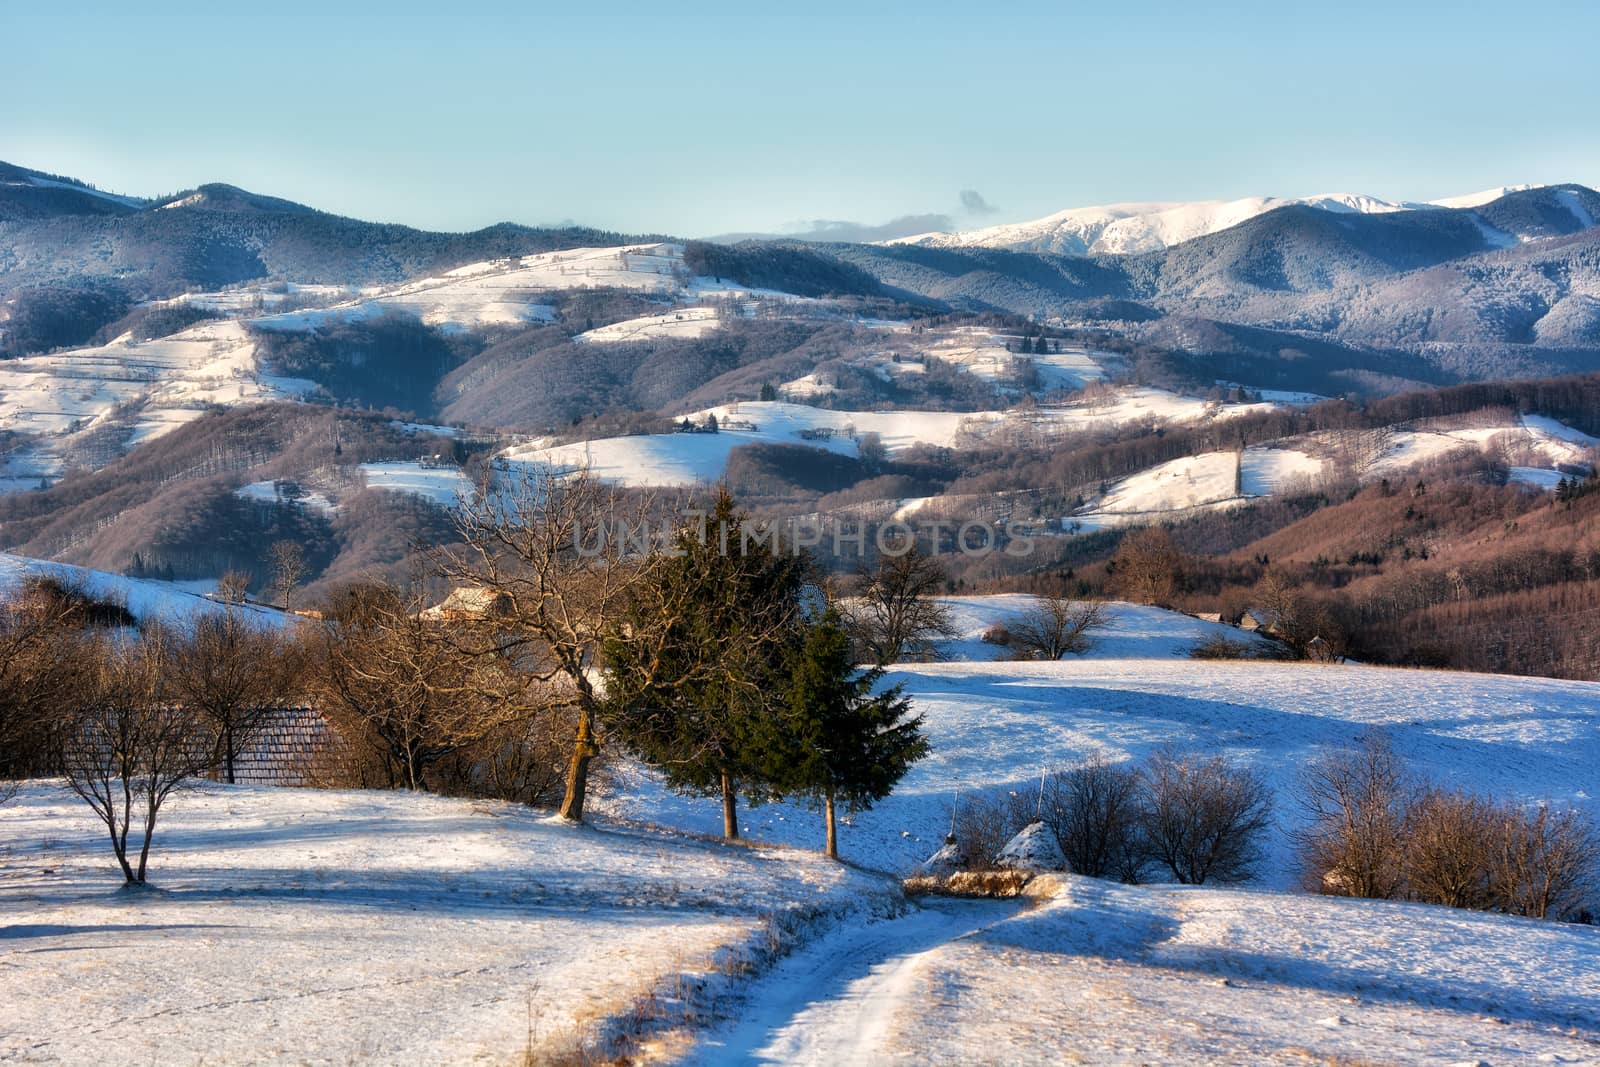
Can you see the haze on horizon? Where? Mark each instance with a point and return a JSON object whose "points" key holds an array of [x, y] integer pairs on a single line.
{"points": [[913, 117]]}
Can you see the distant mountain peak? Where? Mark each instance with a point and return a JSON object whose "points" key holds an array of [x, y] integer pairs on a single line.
{"points": [[1149, 227]]}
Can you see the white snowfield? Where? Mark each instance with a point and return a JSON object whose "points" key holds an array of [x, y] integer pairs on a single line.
{"points": [[151, 386], [1212, 480], [682, 324], [1109, 974], [998, 725], [145, 598], [505, 291], [686, 459], [299, 926], [445, 487], [1533, 438], [1148, 227]]}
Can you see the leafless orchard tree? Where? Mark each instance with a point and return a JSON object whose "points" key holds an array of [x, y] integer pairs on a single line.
{"points": [[1055, 626], [126, 745], [1147, 567], [233, 587], [233, 672], [544, 549], [894, 616], [1094, 811]]}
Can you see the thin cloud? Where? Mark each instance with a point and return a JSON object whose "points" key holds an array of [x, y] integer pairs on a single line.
{"points": [[975, 204]]}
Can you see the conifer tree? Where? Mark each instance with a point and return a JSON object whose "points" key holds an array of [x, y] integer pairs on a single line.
{"points": [[841, 744], [695, 669]]}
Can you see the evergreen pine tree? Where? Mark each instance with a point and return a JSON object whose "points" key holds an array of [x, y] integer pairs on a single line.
{"points": [[695, 671], [841, 745]]}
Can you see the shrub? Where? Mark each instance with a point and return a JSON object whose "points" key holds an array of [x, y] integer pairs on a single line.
{"points": [[1203, 819], [1095, 812], [1055, 626], [1355, 803], [1449, 840], [984, 822], [1543, 863]]}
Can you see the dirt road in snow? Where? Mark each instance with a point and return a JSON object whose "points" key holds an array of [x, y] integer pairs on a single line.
{"points": [[834, 1003]]}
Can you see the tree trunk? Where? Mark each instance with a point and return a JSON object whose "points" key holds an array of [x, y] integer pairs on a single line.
{"points": [[730, 808], [227, 750], [583, 750], [833, 827]]}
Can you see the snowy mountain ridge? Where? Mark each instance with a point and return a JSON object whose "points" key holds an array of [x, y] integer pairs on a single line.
{"points": [[1149, 227]]}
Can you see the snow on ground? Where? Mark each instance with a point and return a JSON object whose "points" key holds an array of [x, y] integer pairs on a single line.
{"points": [[151, 387], [444, 486], [1131, 631], [996, 725], [302, 926], [270, 492], [683, 459], [247, 299], [1532, 436], [983, 353], [210, 363], [504, 291], [146, 598], [1104, 973], [682, 324], [1210, 480]]}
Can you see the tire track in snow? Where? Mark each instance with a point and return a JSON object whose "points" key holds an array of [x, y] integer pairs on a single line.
{"points": [[833, 1003]]}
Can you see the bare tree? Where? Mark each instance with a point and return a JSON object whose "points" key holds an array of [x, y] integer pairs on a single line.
{"points": [[1204, 819], [126, 747], [894, 616], [1355, 803], [1055, 626], [1544, 863], [1094, 811], [559, 555], [234, 673], [389, 677], [233, 587], [1449, 842], [1147, 567], [38, 661], [288, 562]]}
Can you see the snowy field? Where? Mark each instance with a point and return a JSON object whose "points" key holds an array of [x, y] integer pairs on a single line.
{"points": [[1107, 974], [149, 387], [685, 459], [1212, 480], [145, 598], [999, 725], [445, 486], [296, 926]]}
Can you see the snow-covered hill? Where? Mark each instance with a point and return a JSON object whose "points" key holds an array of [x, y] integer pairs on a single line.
{"points": [[138, 390], [1102, 973], [145, 598], [310, 926], [1147, 227], [688, 458], [998, 725]]}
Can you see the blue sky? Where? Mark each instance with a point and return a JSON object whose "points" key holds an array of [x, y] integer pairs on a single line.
{"points": [[704, 118]]}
